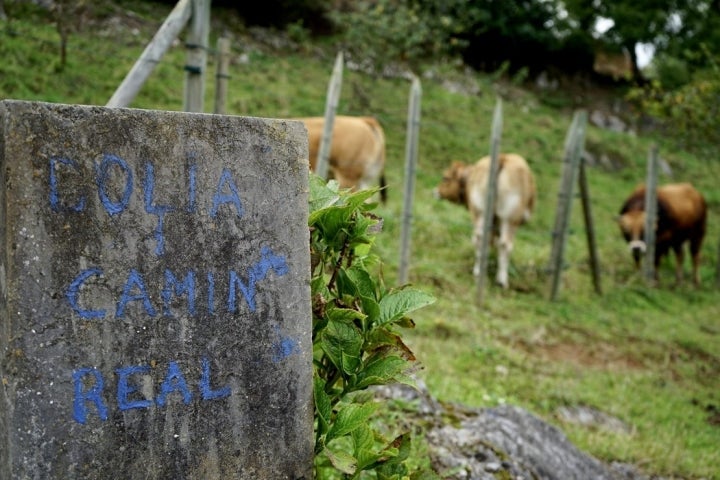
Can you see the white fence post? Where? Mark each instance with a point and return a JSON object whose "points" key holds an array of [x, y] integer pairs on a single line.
{"points": [[331, 103], [651, 213], [222, 76], [411, 153], [197, 46], [481, 252], [573, 153], [168, 31]]}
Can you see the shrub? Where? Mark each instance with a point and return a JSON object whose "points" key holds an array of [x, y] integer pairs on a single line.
{"points": [[355, 345]]}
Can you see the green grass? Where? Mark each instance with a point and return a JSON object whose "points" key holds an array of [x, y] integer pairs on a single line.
{"points": [[650, 357]]}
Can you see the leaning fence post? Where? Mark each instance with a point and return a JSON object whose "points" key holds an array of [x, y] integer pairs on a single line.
{"points": [[589, 229], [222, 76], [331, 103], [481, 251], [411, 153], [151, 56], [650, 213], [717, 269], [197, 45], [571, 158]]}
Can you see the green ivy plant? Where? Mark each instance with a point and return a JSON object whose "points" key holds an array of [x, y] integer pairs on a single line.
{"points": [[355, 343]]}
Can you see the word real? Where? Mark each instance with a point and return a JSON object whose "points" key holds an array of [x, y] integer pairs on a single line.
{"points": [[89, 387], [112, 170]]}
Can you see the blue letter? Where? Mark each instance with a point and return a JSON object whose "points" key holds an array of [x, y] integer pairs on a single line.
{"points": [[159, 210], [92, 395], [103, 173], [207, 392], [134, 279], [73, 290], [173, 285], [268, 261], [174, 381], [124, 389], [54, 198], [233, 197]]}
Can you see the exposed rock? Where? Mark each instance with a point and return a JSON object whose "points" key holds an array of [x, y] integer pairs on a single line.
{"points": [[608, 121], [506, 442], [593, 418]]}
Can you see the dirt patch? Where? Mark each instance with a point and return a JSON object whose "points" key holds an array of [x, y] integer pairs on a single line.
{"points": [[599, 355]]}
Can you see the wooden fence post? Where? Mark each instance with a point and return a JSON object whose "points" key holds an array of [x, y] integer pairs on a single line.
{"points": [[143, 67], [572, 155], [650, 214], [481, 252], [222, 76], [717, 269], [590, 229], [331, 103], [196, 59], [411, 153]]}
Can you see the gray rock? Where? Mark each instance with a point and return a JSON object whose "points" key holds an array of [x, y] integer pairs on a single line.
{"points": [[155, 299], [503, 442]]}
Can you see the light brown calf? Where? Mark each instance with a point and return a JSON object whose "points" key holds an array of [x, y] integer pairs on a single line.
{"points": [[514, 204], [357, 151]]}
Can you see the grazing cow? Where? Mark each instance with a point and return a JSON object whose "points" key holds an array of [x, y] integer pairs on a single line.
{"points": [[514, 203], [357, 151], [681, 214]]}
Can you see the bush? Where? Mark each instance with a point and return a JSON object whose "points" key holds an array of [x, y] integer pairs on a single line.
{"points": [[384, 32], [690, 112], [355, 345]]}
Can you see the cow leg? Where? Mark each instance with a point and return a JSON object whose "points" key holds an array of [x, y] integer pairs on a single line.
{"points": [[477, 240], [695, 244], [505, 246], [679, 257]]}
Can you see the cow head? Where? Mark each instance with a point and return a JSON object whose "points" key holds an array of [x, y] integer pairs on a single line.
{"points": [[632, 226], [452, 186]]}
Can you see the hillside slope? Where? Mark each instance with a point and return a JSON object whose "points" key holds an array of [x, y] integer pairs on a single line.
{"points": [[648, 357]]}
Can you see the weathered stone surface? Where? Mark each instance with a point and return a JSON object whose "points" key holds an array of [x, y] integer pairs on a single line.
{"points": [[154, 307], [504, 442]]}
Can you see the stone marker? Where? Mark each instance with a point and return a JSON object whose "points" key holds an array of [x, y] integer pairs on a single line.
{"points": [[155, 299]]}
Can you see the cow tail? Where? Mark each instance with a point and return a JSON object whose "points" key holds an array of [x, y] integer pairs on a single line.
{"points": [[383, 189]]}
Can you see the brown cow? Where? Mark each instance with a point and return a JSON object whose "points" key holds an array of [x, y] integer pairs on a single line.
{"points": [[515, 201], [681, 215], [357, 151]]}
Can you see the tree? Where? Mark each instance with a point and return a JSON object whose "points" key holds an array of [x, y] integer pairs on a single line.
{"points": [[669, 25]]}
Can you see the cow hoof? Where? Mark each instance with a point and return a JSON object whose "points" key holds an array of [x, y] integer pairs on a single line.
{"points": [[502, 284]]}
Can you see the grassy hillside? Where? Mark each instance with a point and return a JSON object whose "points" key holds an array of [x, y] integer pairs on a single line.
{"points": [[648, 356]]}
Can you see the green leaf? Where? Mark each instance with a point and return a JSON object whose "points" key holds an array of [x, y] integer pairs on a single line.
{"points": [[396, 454], [322, 195], [357, 282], [349, 418], [323, 408], [332, 223], [381, 338], [364, 442], [357, 199], [342, 341], [399, 303], [380, 371], [342, 461], [363, 438]]}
